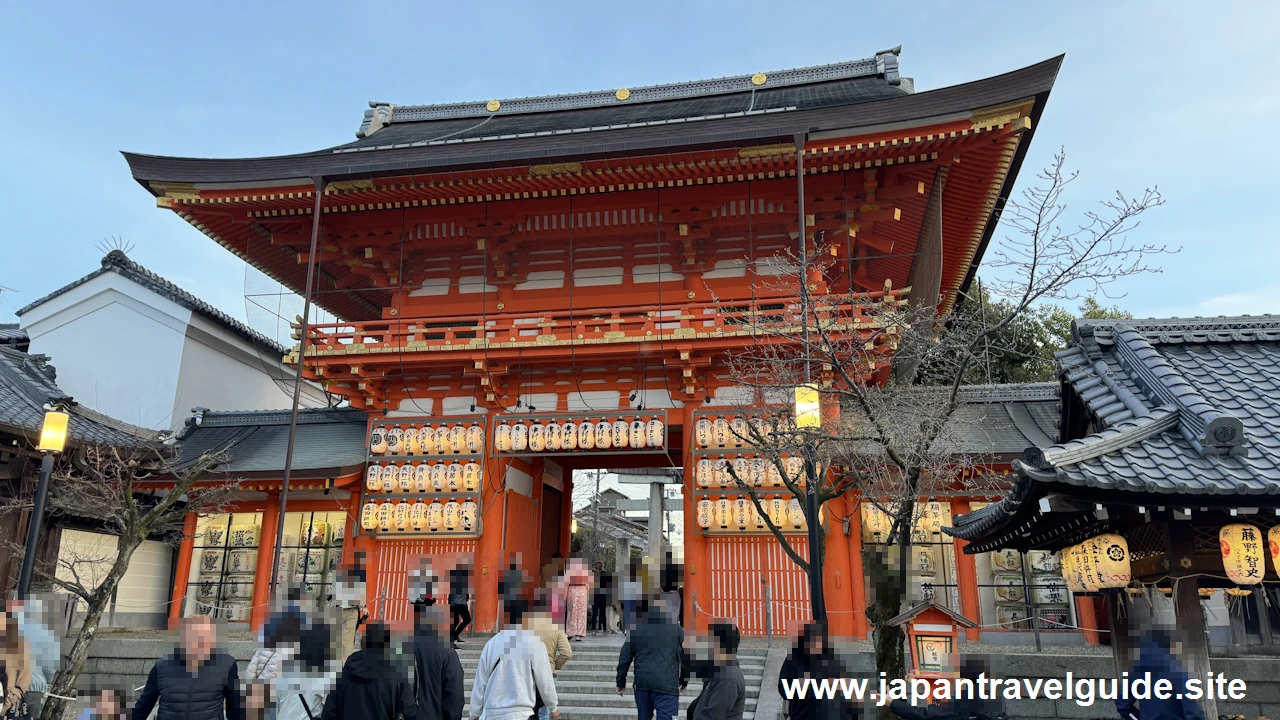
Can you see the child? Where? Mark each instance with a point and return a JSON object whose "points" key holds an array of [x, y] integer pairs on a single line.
{"points": [[108, 704]]}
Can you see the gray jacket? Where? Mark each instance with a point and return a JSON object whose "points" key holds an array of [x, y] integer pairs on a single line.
{"points": [[723, 696]]}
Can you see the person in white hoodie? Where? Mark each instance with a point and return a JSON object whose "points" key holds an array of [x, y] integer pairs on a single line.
{"points": [[513, 673], [307, 677]]}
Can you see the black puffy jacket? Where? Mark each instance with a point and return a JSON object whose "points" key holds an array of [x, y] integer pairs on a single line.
{"points": [[437, 678], [655, 646], [213, 688], [372, 687]]}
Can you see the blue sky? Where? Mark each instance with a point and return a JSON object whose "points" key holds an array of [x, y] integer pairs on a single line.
{"points": [[1176, 94]]}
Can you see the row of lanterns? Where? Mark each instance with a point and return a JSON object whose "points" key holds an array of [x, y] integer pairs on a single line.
{"points": [[741, 514], [1096, 564], [928, 519], [755, 472], [419, 516], [423, 477], [556, 437], [724, 432], [427, 440]]}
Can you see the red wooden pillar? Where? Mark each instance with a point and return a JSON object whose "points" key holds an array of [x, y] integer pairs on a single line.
{"points": [[183, 571], [857, 577], [489, 561], [967, 577], [266, 554], [837, 582], [1087, 618], [697, 576]]}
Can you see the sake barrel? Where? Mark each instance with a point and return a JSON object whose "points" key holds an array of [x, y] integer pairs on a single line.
{"points": [[1049, 590], [1009, 587], [1043, 562], [1006, 559], [926, 559]]}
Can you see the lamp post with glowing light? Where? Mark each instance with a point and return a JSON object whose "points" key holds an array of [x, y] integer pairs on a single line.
{"points": [[53, 438], [809, 416]]}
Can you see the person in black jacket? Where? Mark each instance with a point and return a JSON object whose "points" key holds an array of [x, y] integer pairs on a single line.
{"points": [[371, 686], [196, 682], [459, 594], [437, 671], [656, 646], [812, 658], [715, 660]]}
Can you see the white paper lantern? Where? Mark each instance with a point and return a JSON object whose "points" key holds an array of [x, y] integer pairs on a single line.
{"points": [[1242, 549], [537, 437], [422, 478], [639, 438], [471, 476], [772, 478], [457, 439], [418, 515], [438, 476], [720, 435], [794, 467], [402, 516], [739, 435], [373, 478], [704, 513], [741, 468], [475, 438], [386, 516], [655, 433], [452, 515], [519, 437], [741, 513], [705, 474], [703, 433], [406, 479], [724, 513], [568, 436], [604, 435], [795, 513], [778, 513], [369, 516], [427, 440], [453, 477], [757, 473], [722, 477], [435, 515], [502, 437], [621, 434], [756, 517], [394, 436], [759, 428], [410, 440], [587, 436], [378, 440], [442, 439], [555, 436], [469, 512]]}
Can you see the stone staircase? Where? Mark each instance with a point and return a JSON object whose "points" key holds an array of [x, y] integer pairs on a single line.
{"points": [[586, 685]]}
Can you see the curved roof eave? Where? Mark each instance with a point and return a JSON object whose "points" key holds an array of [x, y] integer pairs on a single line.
{"points": [[1033, 81]]}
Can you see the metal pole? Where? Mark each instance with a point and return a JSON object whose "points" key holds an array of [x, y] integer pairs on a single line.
{"points": [[1032, 615], [768, 612], [33, 527], [312, 261], [595, 524], [816, 594]]}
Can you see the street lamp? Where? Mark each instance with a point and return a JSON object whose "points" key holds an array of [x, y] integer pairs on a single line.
{"points": [[53, 438], [809, 415]]}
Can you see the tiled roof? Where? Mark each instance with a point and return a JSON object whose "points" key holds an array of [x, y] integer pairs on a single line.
{"points": [[1183, 406], [28, 383], [1005, 419], [116, 261], [254, 441], [387, 126], [13, 336]]}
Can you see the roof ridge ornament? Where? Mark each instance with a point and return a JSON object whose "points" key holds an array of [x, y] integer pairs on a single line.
{"points": [[1209, 430]]}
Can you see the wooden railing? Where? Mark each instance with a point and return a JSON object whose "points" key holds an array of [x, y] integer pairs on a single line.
{"points": [[688, 321]]}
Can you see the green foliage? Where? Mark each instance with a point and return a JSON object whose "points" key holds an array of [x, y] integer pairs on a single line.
{"points": [[1022, 351]]}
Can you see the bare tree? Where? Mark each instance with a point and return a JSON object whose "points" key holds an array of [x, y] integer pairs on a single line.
{"points": [[102, 484], [890, 373]]}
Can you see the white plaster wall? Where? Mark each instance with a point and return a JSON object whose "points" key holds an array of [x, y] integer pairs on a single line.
{"points": [[117, 348], [222, 371]]}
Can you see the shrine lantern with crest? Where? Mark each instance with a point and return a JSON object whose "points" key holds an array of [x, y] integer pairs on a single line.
{"points": [[1242, 553]]}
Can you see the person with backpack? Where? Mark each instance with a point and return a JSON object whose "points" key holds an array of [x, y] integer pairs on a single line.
{"points": [[513, 674], [655, 645], [437, 676], [307, 676], [372, 687]]}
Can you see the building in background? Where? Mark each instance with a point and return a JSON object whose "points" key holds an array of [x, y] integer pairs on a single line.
{"points": [[134, 346]]}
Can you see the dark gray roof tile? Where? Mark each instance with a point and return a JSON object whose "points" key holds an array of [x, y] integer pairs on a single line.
{"points": [[327, 441]]}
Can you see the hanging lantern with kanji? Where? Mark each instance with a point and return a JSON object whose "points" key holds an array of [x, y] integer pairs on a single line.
{"points": [[876, 524], [1242, 553]]}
